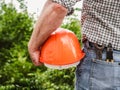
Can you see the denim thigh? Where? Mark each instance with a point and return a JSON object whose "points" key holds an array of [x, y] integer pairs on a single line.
{"points": [[94, 74]]}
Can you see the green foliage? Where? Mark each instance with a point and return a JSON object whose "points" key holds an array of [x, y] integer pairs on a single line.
{"points": [[16, 69], [73, 24]]}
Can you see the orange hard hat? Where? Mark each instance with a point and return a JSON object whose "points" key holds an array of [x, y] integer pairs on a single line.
{"points": [[61, 50]]}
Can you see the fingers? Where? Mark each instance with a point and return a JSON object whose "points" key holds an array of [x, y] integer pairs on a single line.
{"points": [[35, 57]]}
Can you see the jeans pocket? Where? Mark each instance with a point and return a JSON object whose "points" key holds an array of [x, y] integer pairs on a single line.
{"points": [[101, 75]]}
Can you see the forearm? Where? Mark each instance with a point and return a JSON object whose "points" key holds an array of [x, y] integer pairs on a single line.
{"points": [[50, 19]]}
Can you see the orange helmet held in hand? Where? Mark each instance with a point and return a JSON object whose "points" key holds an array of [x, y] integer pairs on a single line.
{"points": [[61, 50]]}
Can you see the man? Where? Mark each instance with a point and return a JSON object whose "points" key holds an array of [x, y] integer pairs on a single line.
{"points": [[100, 69]]}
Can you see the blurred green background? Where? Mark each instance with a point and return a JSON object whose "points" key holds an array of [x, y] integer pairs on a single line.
{"points": [[16, 69]]}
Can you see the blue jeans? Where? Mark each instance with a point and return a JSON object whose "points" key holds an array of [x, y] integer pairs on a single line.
{"points": [[94, 74]]}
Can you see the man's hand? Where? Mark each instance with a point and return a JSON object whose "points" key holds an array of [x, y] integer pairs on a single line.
{"points": [[50, 19]]}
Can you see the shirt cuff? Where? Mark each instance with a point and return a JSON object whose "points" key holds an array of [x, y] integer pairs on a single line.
{"points": [[67, 4]]}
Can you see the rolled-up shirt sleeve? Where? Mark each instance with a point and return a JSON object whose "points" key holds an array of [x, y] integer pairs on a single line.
{"points": [[67, 4]]}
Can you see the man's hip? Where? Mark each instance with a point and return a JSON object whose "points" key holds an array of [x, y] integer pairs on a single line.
{"points": [[98, 72]]}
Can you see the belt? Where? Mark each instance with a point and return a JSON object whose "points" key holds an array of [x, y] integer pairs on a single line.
{"points": [[111, 54], [99, 50]]}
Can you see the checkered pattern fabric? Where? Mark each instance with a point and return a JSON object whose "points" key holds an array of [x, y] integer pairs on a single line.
{"points": [[67, 4], [100, 20]]}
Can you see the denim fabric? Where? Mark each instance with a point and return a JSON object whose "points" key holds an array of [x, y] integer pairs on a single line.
{"points": [[94, 74]]}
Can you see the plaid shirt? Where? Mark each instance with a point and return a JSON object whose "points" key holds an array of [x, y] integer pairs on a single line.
{"points": [[100, 20]]}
